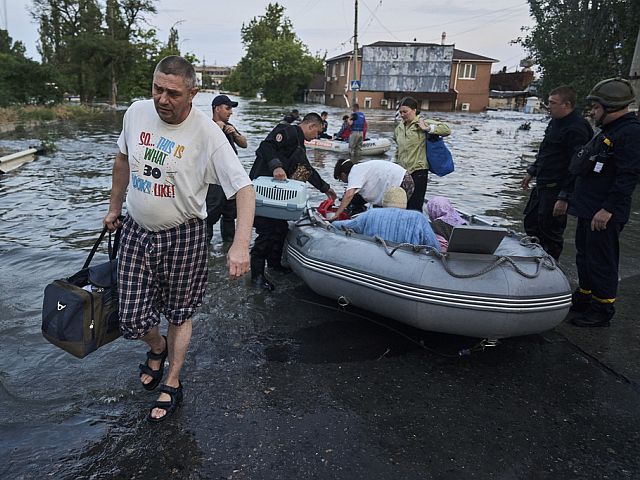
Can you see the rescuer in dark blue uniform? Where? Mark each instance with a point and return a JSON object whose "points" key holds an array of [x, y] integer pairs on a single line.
{"points": [[546, 211], [282, 155], [607, 169]]}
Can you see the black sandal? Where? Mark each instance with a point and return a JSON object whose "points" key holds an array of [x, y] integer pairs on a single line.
{"points": [[171, 406], [156, 375]]}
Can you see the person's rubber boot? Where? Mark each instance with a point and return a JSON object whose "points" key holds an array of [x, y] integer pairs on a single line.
{"points": [[598, 315], [580, 301], [258, 279]]}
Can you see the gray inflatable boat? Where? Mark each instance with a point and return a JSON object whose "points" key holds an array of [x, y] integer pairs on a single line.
{"points": [[517, 289]]}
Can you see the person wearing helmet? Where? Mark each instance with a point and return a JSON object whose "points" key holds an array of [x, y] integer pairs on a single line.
{"points": [[607, 170], [545, 215]]}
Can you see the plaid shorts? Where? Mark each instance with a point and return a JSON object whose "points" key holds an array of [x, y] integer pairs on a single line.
{"points": [[160, 272]]}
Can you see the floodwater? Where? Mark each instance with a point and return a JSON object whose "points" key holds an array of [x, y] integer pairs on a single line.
{"points": [[286, 385]]}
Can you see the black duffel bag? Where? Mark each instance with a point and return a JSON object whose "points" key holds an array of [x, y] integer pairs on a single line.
{"points": [[80, 313]]}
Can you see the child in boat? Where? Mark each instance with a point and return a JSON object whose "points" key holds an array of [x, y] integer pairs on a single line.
{"points": [[393, 223]]}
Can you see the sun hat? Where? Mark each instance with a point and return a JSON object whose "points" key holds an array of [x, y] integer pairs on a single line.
{"points": [[394, 197]]}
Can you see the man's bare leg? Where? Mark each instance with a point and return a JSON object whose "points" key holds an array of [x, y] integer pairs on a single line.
{"points": [[157, 345], [178, 338]]}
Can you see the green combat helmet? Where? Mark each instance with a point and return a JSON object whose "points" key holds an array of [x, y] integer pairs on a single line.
{"points": [[613, 94]]}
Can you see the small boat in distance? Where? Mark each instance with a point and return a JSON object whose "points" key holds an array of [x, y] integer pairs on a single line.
{"points": [[17, 159], [371, 146], [516, 289]]}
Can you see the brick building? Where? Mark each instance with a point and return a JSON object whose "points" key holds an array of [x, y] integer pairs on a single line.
{"points": [[441, 77]]}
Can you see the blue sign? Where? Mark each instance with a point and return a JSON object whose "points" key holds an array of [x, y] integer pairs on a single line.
{"points": [[355, 84]]}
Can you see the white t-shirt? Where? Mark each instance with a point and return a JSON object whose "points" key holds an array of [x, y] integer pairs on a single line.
{"points": [[171, 166], [374, 177]]}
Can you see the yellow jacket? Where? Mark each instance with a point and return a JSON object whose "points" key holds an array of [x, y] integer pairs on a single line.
{"points": [[411, 152]]}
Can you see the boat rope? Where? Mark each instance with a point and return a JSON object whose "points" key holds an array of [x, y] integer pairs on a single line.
{"points": [[428, 249], [499, 261], [543, 261]]}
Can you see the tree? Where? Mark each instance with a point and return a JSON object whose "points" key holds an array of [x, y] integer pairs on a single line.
{"points": [[276, 62], [21, 79], [101, 53], [580, 42]]}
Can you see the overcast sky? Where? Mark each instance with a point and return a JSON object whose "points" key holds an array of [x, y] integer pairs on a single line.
{"points": [[211, 28]]}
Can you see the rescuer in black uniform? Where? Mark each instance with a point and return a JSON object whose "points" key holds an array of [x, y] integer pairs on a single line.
{"points": [[282, 155], [546, 211], [607, 169]]}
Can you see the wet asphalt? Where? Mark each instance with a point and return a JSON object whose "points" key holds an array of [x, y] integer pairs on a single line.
{"points": [[288, 385]]}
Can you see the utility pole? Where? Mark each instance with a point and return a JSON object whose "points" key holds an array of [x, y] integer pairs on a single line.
{"points": [[5, 18], [634, 71], [354, 91], [114, 81]]}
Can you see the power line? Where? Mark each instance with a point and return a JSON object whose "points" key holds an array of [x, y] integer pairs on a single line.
{"points": [[381, 24], [499, 18]]}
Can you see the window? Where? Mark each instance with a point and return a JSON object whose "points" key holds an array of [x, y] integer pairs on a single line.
{"points": [[467, 71], [342, 69], [367, 102]]}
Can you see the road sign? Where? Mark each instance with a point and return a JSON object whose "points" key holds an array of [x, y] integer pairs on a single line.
{"points": [[355, 84]]}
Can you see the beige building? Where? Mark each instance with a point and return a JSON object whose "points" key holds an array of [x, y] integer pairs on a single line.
{"points": [[216, 74]]}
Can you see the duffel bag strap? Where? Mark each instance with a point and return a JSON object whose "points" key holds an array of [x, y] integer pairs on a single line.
{"points": [[113, 250]]}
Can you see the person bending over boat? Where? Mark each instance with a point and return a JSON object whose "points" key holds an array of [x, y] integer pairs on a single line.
{"points": [[282, 155], [393, 223], [410, 136], [371, 180]]}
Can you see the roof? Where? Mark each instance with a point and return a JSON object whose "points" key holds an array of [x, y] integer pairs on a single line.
{"points": [[462, 55], [458, 55]]}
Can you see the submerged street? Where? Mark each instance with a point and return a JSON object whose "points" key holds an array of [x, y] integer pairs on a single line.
{"points": [[288, 385]]}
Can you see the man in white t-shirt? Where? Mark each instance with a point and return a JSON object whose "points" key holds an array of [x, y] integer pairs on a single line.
{"points": [[169, 152], [370, 180]]}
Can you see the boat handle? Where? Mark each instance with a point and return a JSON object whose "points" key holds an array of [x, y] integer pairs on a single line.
{"points": [[302, 240]]}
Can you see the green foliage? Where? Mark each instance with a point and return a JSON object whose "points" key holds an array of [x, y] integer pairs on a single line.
{"points": [[580, 42], [276, 62], [22, 80], [48, 144], [100, 47]]}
